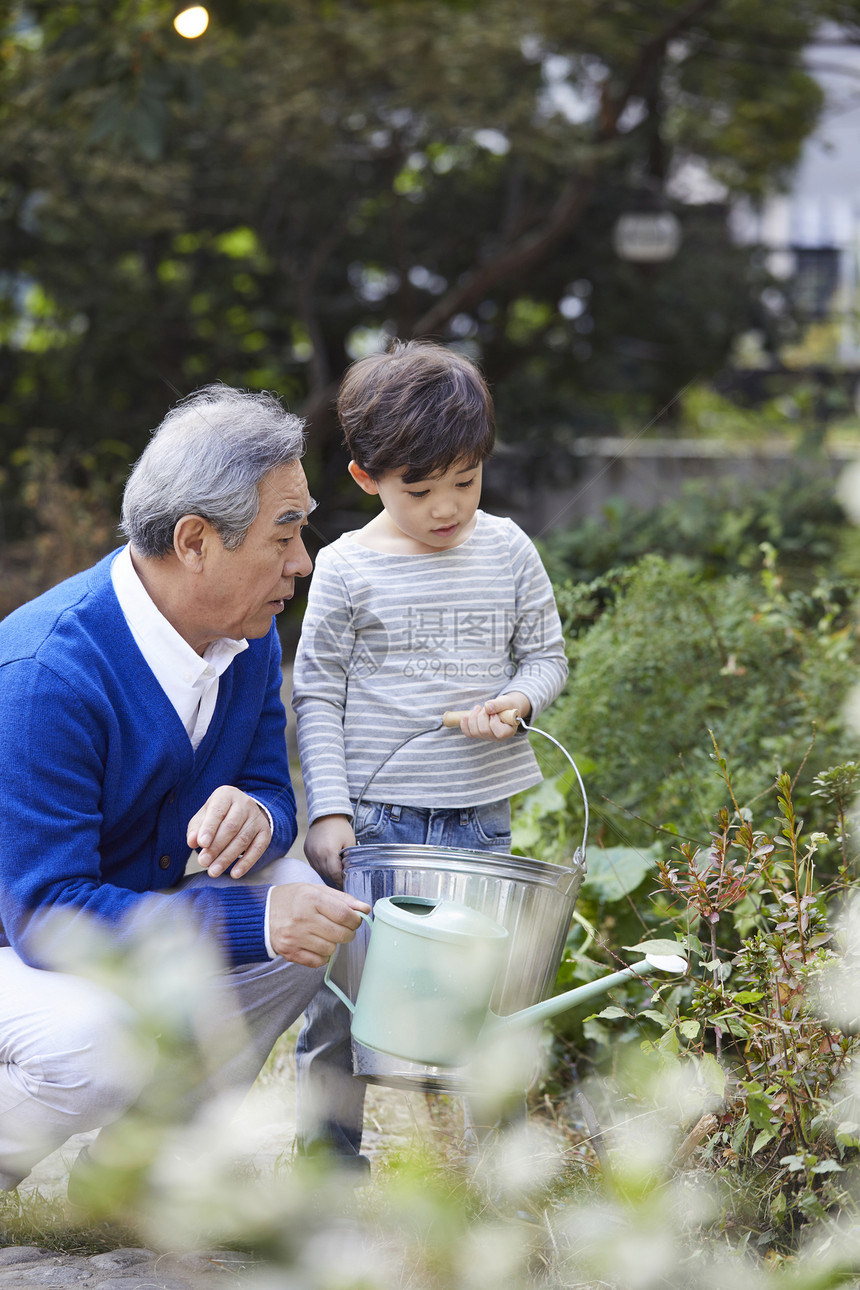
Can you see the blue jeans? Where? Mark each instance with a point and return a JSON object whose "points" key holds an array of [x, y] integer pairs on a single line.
{"points": [[324, 1049], [471, 828]]}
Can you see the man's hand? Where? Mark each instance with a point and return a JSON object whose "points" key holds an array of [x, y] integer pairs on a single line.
{"points": [[229, 829], [483, 723], [308, 921], [324, 842]]}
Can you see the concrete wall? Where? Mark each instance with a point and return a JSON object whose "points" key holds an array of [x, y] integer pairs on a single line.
{"points": [[641, 472]]}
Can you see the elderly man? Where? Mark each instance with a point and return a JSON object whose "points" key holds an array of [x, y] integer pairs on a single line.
{"points": [[140, 719]]}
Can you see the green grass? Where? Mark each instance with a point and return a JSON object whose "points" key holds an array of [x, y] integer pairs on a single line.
{"points": [[50, 1222]]}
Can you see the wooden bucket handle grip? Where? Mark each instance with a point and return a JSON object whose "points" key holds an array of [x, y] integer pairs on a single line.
{"points": [[510, 717]]}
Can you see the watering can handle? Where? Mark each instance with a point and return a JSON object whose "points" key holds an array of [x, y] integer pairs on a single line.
{"points": [[328, 967]]}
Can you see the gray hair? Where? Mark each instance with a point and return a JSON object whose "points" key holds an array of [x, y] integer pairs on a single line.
{"points": [[207, 458]]}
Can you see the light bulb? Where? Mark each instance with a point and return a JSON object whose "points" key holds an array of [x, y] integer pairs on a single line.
{"points": [[192, 22]]}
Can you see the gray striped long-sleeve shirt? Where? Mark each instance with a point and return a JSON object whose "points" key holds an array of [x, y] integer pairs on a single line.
{"points": [[389, 642]]}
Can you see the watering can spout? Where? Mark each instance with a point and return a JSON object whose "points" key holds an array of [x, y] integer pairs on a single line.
{"points": [[429, 975], [671, 963]]}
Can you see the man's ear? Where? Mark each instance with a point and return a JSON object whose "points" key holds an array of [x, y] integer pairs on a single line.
{"points": [[191, 535], [362, 478]]}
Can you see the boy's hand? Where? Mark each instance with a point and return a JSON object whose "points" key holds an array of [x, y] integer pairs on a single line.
{"points": [[483, 722], [325, 840]]}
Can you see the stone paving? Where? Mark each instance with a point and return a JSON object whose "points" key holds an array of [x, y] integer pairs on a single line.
{"points": [[35, 1268]]}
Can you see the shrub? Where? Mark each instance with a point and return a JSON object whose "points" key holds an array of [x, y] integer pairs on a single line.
{"points": [[719, 530], [758, 1041], [672, 656], [64, 515]]}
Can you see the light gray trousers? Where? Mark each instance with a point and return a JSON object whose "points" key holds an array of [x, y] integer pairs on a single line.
{"points": [[71, 1057]]}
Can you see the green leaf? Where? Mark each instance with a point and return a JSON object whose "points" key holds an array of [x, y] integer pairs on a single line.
{"points": [[748, 996], [546, 799], [526, 835], [759, 1111], [659, 948], [668, 1043], [714, 1076], [739, 1134], [596, 1032], [146, 129], [778, 1207], [811, 1207], [616, 871], [690, 1029], [612, 1011], [239, 243], [660, 1017], [766, 1135], [828, 1167]]}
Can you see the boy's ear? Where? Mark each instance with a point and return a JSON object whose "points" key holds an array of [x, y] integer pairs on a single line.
{"points": [[362, 478]]}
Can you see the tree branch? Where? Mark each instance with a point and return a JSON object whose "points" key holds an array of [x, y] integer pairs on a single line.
{"points": [[649, 59], [305, 282], [515, 259], [531, 248]]}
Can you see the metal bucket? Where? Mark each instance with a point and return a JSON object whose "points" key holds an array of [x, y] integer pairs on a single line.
{"points": [[534, 901]]}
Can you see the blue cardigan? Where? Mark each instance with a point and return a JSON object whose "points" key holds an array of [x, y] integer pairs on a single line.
{"points": [[98, 779]]}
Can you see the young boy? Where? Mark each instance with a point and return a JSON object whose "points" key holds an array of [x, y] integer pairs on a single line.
{"points": [[433, 605]]}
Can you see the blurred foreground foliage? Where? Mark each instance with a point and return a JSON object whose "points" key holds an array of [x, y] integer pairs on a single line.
{"points": [[670, 1167]]}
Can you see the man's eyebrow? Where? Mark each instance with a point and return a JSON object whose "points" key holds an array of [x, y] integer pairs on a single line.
{"points": [[296, 516]]}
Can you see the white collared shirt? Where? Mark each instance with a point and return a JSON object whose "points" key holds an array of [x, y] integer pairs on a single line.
{"points": [[189, 680]]}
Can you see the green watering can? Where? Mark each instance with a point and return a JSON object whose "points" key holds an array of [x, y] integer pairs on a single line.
{"points": [[429, 974]]}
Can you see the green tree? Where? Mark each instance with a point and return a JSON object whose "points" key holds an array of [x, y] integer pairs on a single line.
{"points": [[260, 204]]}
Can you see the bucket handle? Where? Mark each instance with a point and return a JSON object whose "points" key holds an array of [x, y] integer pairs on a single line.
{"points": [[578, 861], [328, 967], [512, 718]]}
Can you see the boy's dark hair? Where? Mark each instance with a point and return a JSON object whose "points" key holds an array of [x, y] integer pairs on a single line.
{"points": [[418, 406]]}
